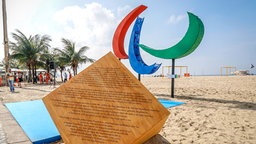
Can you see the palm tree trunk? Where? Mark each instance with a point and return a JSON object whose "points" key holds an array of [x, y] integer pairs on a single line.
{"points": [[29, 73], [76, 68], [33, 75], [74, 71], [35, 72], [6, 48], [61, 74]]}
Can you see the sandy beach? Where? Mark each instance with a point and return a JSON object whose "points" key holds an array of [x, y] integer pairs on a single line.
{"points": [[218, 109]]}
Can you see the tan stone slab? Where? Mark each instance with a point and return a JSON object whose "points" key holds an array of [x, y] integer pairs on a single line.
{"points": [[105, 104]]}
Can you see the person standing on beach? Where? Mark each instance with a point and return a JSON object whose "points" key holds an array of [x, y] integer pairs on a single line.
{"points": [[70, 75], [41, 78], [15, 79], [10, 78], [19, 79], [47, 77], [65, 77]]}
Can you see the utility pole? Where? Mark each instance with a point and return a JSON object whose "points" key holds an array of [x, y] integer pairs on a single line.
{"points": [[6, 48]]}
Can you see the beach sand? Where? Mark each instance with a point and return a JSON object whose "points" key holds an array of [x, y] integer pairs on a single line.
{"points": [[218, 109]]}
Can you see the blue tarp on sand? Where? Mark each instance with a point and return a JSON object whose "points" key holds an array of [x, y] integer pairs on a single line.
{"points": [[169, 103], [35, 120]]}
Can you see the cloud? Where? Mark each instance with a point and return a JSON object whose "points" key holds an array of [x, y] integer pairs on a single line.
{"points": [[18, 13], [92, 25], [173, 19], [122, 11]]}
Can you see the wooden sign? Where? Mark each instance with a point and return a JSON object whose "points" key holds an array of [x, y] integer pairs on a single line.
{"points": [[105, 104]]}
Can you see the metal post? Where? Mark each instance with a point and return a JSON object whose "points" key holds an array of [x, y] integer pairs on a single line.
{"points": [[173, 76], [138, 76], [54, 75]]}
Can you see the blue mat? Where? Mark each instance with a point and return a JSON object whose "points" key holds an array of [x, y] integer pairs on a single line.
{"points": [[169, 104], [35, 120]]}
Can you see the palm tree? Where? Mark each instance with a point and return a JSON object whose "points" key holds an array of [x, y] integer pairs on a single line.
{"points": [[60, 63], [29, 50], [14, 63], [72, 58], [45, 59]]}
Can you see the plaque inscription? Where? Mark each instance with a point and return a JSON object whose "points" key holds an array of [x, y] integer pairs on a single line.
{"points": [[105, 104]]}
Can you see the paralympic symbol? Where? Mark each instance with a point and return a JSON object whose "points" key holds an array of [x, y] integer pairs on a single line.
{"points": [[184, 47]]}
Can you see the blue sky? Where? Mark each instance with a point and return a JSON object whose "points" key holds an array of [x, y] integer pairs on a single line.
{"points": [[229, 39]]}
